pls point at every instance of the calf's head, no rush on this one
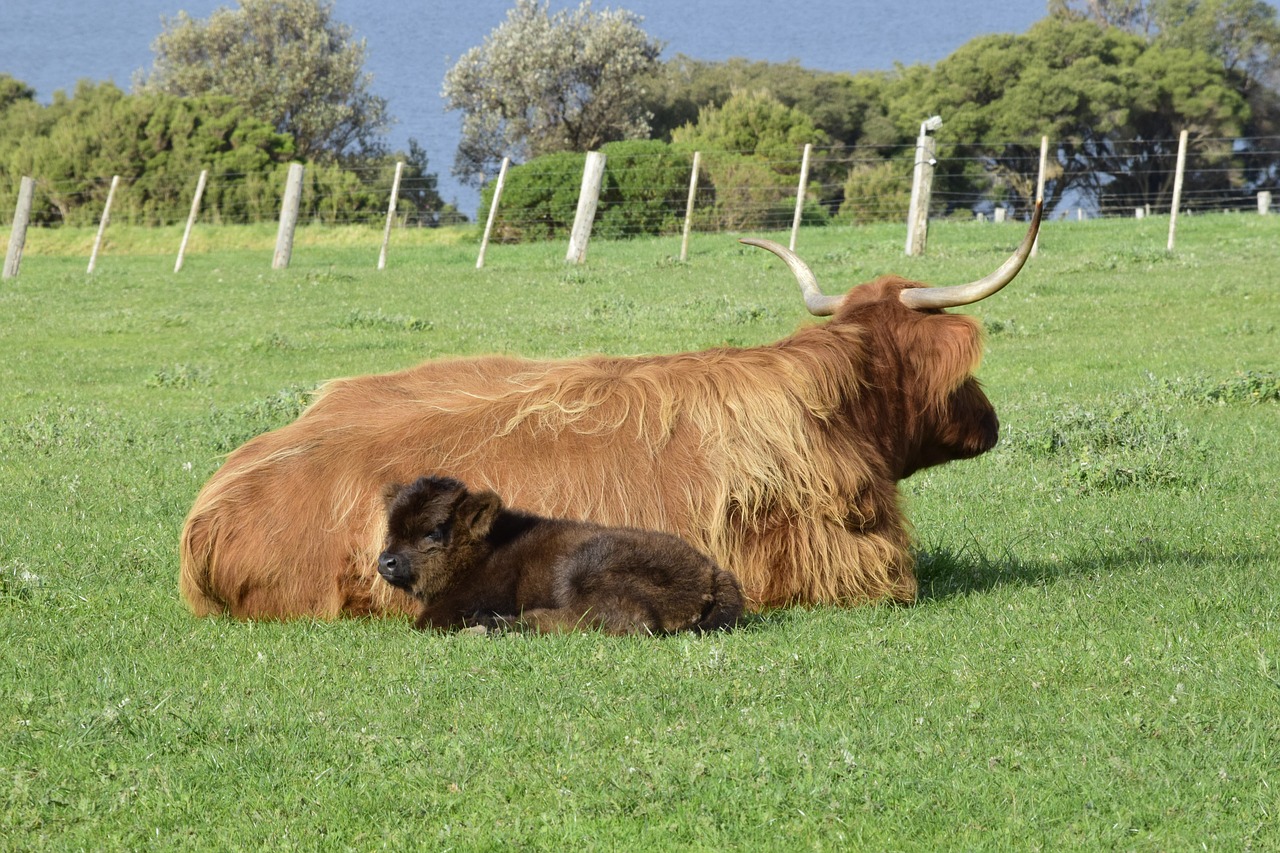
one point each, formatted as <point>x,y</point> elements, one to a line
<point>435,529</point>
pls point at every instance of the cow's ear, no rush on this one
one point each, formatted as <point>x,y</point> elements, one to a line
<point>944,351</point>
<point>390,492</point>
<point>479,511</point>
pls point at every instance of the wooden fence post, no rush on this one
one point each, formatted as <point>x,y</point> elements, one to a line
<point>391,215</point>
<point>288,217</point>
<point>1044,159</point>
<point>102,226</point>
<point>588,198</point>
<point>191,219</point>
<point>1264,202</point>
<point>18,234</point>
<point>800,193</point>
<point>1177,188</point>
<point>688,207</point>
<point>922,188</point>
<point>493,210</point>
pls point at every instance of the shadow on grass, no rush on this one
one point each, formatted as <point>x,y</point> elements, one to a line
<point>946,573</point>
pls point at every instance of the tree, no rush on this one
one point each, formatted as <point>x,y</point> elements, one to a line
<point>13,90</point>
<point>1111,103</point>
<point>754,124</point>
<point>1131,15</point>
<point>157,143</point>
<point>850,109</point>
<point>1243,35</point>
<point>419,189</point>
<point>1174,89</point>
<point>542,83</point>
<point>752,153</point>
<point>286,61</point>
<point>845,106</point>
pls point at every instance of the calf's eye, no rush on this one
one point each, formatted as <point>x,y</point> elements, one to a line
<point>436,534</point>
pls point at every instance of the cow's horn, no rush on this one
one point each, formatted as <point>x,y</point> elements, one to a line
<point>818,303</point>
<point>964,294</point>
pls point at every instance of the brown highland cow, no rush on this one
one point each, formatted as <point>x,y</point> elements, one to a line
<point>473,562</point>
<point>781,461</point>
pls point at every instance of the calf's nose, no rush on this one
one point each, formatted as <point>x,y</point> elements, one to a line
<point>387,564</point>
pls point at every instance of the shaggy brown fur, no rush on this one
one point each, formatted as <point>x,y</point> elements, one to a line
<point>781,461</point>
<point>471,561</point>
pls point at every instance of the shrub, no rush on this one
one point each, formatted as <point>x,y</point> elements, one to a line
<point>645,188</point>
<point>747,194</point>
<point>644,191</point>
<point>875,193</point>
<point>539,198</point>
<point>158,144</point>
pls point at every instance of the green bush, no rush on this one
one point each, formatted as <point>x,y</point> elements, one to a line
<point>158,145</point>
<point>746,195</point>
<point>539,198</point>
<point>755,124</point>
<point>877,192</point>
<point>644,192</point>
<point>646,186</point>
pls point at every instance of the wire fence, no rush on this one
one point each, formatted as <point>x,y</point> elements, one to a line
<point>331,196</point>
<point>1105,178</point>
<point>1096,179</point>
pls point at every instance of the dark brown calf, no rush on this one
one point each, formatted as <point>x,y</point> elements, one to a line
<point>473,562</point>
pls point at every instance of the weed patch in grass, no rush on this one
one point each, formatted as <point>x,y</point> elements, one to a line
<point>1247,387</point>
<point>746,315</point>
<point>57,428</point>
<point>181,376</point>
<point>272,342</point>
<point>995,327</point>
<point>1130,441</point>
<point>360,319</point>
<point>19,583</point>
<point>227,429</point>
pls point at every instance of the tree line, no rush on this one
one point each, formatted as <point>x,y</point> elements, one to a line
<point>1110,82</point>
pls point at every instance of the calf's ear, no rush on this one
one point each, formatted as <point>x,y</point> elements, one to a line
<point>390,492</point>
<point>478,512</point>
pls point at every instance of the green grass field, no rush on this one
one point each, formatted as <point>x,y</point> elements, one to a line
<point>1094,662</point>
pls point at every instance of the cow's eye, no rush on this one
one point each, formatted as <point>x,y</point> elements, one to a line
<point>436,534</point>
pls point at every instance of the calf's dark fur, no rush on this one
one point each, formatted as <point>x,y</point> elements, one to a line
<point>472,562</point>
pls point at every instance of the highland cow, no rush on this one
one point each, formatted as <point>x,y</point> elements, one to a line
<point>781,461</point>
<point>472,562</point>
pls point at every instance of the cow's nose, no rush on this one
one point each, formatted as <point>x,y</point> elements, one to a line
<point>387,564</point>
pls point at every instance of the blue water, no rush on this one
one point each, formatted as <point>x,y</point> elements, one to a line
<point>50,44</point>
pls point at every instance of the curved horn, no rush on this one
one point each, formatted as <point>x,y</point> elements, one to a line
<point>818,303</point>
<point>964,294</point>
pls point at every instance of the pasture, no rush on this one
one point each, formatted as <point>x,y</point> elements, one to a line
<point>1094,661</point>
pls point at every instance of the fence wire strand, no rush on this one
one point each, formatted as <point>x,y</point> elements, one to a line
<point>1107,178</point>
